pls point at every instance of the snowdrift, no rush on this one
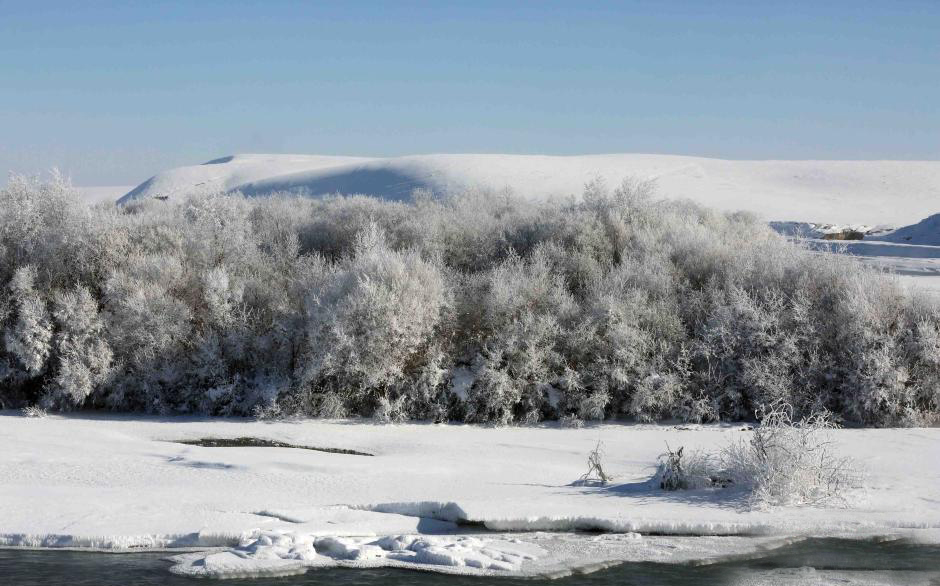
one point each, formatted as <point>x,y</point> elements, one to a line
<point>872,192</point>
<point>924,233</point>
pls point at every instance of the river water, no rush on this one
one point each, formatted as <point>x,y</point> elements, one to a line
<point>809,562</point>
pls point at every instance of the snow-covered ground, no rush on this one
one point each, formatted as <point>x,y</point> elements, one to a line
<point>102,193</point>
<point>435,496</point>
<point>471,499</point>
<point>925,232</point>
<point>228,173</point>
<point>917,266</point>
<point>868,192</point>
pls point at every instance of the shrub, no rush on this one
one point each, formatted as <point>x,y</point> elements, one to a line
<point>617,305</point>
<point>785,462</point>
<point>595,473</point>
<point>371,321</point>
<point>677,470</point>
<point>29,336</point>
<point>34,412</point>
<point>83,354</point>
<point>789,462</point>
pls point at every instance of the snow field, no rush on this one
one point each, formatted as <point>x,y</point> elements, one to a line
<point>121,483</point>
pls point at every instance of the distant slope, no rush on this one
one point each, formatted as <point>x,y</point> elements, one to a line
<point>925,232</point>
<point>872,192</point>
<point>101,193</point>
<point>228,173</point>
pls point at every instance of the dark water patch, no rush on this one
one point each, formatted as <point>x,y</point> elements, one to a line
<point>44,568</point>
<point>847,554</point>
<point>255,442</point>
<point>891,562</point>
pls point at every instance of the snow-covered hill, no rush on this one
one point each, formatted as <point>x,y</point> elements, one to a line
<point>228,173</point>
<point>871,192</point>
<point>101,193</point>
<point>925,232</point>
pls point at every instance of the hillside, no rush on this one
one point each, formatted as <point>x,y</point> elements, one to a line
<point>101,193</point>
<point>871,192</point>
<point>925,232</point>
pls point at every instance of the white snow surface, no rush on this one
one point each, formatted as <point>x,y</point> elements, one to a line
<point>925,232</point>
<point>232,172</point>
<point>917,266</point>
<point>121,483</point>
<point>860,192</point>
<point>94,194</point>
<point>289,551</point>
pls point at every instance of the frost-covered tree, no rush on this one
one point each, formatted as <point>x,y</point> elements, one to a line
<point>476,306</point>
<point>29,337</point>
<point>521,317</point>
<point>149,328</point>
<point>371,319</point>
<point>82,354</point>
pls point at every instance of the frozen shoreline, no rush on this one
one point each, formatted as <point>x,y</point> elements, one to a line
<point>113,482</point>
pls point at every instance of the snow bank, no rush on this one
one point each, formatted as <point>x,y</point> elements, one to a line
<point>870,192</point>
<point>645,526</point>
<point>547,555</point>
<point>449,511</point>
<point>149,542</point>
<point>453,512</point>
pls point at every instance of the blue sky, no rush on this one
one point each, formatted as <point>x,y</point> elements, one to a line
<point>112,92</point>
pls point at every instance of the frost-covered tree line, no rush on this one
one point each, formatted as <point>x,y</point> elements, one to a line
<point>479,307</point>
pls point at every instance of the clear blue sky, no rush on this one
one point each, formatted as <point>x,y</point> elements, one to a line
<point>113,92</point>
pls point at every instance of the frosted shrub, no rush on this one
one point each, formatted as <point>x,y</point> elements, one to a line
<point>624,343</point>
<point>784,462</point>
<point>219,231</point>
<point>391,410</point>
<point>84,358</point>
<point>924,344</point>
<point>571,421</point>
<point>41,222</point>
<point>368,323</point>
<point>618,305</point>
<point>678,470</point>
<point>148,327</point>
<point>520,320</point>
<point>220,297</point>
<point>494,394</point>
<point>29,336</point>
<point>789,462</point>
<point>595,473</point>
<point>34,412</point>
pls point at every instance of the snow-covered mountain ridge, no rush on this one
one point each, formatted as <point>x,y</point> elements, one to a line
<point>896,193</point>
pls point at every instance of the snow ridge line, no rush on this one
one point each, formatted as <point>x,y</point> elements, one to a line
<point>278,516</point>
<point>455,513</point>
